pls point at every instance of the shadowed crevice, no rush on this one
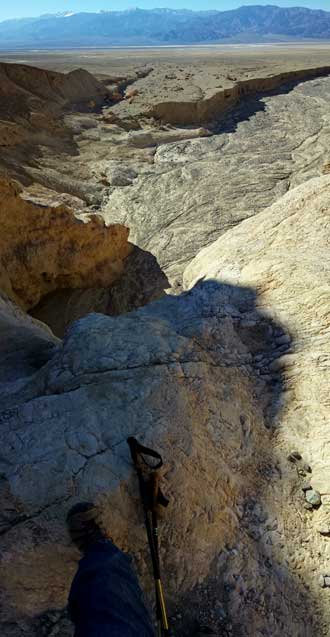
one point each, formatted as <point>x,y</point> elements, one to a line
<point>141,283</point>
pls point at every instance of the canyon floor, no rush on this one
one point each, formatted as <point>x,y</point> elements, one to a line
<point>176,202</point>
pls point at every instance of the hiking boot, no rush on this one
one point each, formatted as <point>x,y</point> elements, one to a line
<point>83,522</point>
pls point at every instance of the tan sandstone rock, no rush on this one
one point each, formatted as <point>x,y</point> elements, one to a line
<point>43,248</point>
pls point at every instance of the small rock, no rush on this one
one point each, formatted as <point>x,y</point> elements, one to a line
<point>306,486</point>
<point>294,456</point>
<point>283,361</point>
<point>248,323</point>
<point>306,467</point>
<point>204,630</point>
<point>326,501</point>
<point>327,581</point>
<point>308,506</point>
<point>323,528</point>
<point>313,497</point>
<point>321,581</point>
<point>221,613</point>
<point>282,340</point>
<point>282,348</point>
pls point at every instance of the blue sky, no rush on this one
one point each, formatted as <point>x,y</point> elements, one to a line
<point>22,8</point>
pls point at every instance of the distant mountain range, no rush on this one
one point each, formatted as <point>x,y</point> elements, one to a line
<point>165,26</point>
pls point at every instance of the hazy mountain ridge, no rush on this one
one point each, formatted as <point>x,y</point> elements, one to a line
<point>137,26</point>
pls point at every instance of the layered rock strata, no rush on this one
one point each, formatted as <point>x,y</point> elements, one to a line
<point>186,98</point>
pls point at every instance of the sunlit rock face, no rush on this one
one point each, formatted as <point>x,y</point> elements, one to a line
<point>198,189</point>
<point>44,248</point>
<point>285,259</point>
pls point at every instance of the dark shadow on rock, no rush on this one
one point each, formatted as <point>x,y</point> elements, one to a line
<point>141,283</point>
<point>249,105</point>
<point>52,623</point>
<point>206,314</point>
<point>207,607</point>
<point>25,346</point>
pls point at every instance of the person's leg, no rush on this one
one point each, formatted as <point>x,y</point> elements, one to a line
<point>105,597</point>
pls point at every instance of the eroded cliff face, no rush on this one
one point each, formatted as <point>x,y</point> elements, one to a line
<point>60,267</point>
<point>46,248</point>
<point>208,109</point>
<point>35,85</point>
<point>197,190</point>
<point>32,104</point>
<point>194,95</point>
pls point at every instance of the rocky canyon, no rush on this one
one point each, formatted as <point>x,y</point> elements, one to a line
<point>164,253</point>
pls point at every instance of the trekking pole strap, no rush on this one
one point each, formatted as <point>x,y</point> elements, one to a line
<point>151,493</point>
<point>139,450</point>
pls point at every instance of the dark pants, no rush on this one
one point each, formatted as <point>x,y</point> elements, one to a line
<point>105,598</point>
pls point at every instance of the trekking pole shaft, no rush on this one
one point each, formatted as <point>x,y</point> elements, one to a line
<point>150,500</point>
<point>158,582</point>
<point>152,533</point>
<point>160,597</point>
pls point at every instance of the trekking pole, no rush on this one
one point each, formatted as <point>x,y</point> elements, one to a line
<point>152,497</point>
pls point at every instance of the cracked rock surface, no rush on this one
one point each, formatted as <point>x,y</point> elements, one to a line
<point>197,190</point>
